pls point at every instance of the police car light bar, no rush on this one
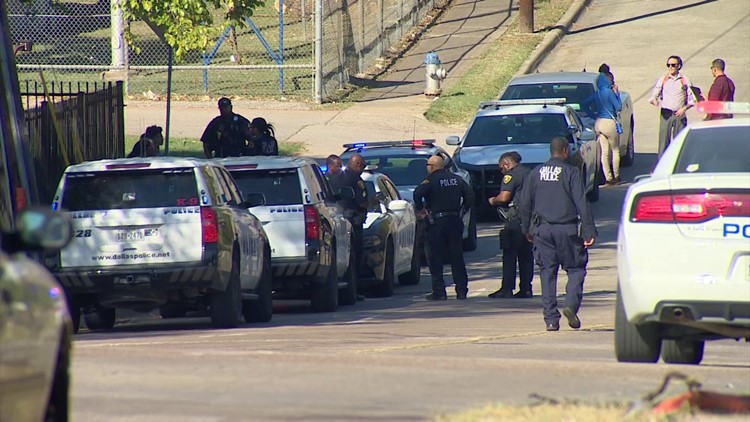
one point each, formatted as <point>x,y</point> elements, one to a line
<point>535,101</point>
<point>413,143</point>
<point>127,166</point>
<point>241,166</point>
<point>723,107</point>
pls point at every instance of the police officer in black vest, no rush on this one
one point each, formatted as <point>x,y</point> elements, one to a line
<point>443,198</point>
<point>556,218</point>
<point>514,244</point>
<point>227,135</point>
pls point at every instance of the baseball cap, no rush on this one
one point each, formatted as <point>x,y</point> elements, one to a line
<point>224,101</point>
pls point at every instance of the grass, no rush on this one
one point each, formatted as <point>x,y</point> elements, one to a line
<point>191,147</point>
<point>496,67</point>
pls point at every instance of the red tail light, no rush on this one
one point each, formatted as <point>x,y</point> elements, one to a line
<point>690,208</point>
<point>312,223</point>
<point>209,227</point>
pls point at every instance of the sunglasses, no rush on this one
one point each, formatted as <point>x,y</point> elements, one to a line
<point>673,64</point>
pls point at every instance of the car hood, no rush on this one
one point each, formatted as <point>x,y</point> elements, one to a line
<point>489,154</point>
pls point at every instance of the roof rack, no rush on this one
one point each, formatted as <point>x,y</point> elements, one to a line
<point>414,143</point>
<point>536,101</point>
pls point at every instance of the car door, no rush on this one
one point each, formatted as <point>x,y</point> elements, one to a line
<point>341,226</point>
<point>389,194</point>
<point>588,149</point>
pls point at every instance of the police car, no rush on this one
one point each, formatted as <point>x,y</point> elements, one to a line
<point>575,87</point>
<point>527,127</point>
<point>405,164</point>
<point>311,251</point>
<point>389,237</point>
<point>683,256</point>
<point>161,232</point>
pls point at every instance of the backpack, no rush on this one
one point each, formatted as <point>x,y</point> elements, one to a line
<point>697,93</point>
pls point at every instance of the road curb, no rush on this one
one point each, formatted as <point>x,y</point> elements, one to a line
<point>553,37</point>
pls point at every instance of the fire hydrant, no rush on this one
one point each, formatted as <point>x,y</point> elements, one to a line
<point>434,74</point>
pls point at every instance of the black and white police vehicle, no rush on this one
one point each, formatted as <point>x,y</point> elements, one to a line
<point>161,232</point>
<point>311,252</point>
<point>527,127</point>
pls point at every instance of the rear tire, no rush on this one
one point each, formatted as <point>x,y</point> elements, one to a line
<point>101,319</point>
<point>348,295</point>
<point>415,272</point>
<point>226,306</point>
<point>387,285</point>
<point>325,296</point>
<point>261,310</point>
<point>635,343</point>
<point>629,157</point>
<point>470,243</point>
<point>685,351</point>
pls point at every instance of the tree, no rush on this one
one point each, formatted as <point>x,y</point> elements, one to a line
<point>187,25</point>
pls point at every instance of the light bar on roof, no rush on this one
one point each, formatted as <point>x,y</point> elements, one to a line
<point>723,107</point>
<point>535,101</point>
<point>241,166</point>
<point>412,142</point>
<point>128,166</point>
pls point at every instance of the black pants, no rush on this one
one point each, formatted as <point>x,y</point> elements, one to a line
<point>445,239</point>
<point>357,246</point>
<point>558,245</point>
<point>516,250</point>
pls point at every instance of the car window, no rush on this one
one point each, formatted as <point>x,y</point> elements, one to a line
<point>211,183</point>
<point>370,187</point>
<point>323,181</point>
<point>715,150</point>
<point>280,186</point>
<point>516,129</point>
<point>403,170</point>
<point>235,197</point>
<point>392,191</point>
<point>574,93</point>
<point>130,189</point>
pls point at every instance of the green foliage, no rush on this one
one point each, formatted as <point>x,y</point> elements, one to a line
<point>186,25</point>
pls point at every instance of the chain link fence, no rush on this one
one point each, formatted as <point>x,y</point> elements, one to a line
<point>273,56</point>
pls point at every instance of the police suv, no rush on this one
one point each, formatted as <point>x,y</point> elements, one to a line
<point>527,127</point>
<point>310,239</point>
<point>683,258</point>
<point>161,232</point>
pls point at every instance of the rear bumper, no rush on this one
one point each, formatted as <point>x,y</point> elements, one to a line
<point>309,266</point>
<point>99,280</point>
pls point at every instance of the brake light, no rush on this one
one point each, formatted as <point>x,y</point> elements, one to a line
<point>722,107</point>
<point>690,208</point>
<point>127,166</point>
<point>417,143</point>
<point>209,227</point>
<point>312,223</point>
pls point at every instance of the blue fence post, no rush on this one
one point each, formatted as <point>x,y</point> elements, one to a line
<point>281,45</point>
<point>277,58</point>
<point>208,57</point>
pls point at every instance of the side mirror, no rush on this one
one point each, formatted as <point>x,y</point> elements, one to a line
<point>452,140</point>
<point>345,192</point>
<point>41,229</point>
<point>573,129</point>
<point>254,199</point>
<point>399,205</point>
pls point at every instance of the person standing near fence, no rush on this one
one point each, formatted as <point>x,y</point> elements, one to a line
<point>263,137</point>
<point>227,135</point>
<point>149,143</point>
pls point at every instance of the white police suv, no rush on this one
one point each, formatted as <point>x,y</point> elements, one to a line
<point>684,245</point>
<point>161,232</point>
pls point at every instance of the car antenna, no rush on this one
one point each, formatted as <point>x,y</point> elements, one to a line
<point>584,66</point>
<point>414,132</point>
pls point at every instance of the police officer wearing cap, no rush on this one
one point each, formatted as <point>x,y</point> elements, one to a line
<point>227,135</point>
<point>443,198</point>
<point>355,209</point>
<point>553,207</point>
<point>516,248</point>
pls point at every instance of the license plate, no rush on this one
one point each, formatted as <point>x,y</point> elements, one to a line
<point>128,235</point>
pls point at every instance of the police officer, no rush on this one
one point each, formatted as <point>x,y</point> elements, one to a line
<point>552,207</point>
<point>514,244</point>
<point>227,135</point>
<point>355,210</point>
<point>444,198</point>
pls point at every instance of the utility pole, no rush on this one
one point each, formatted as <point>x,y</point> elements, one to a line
<point>526,16</point>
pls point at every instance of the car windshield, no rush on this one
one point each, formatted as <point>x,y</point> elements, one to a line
<point>280,186</point>
<point>715,150</point>
<point>516,129</point>
<point>405,170</point>
<point>130,189</point>
<point>574,93</point>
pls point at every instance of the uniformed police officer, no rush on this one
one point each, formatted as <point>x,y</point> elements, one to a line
<point>355,210</point>
<point>227,135</point>
<point>444,198</point>
<point>516,248</point>
<point>552,207</point>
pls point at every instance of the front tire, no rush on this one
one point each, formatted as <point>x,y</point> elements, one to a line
<point>414,275</point>
<point>261,310</point>
<point>325,296</point>
<point>685,351</point>
<point>101,319</point>
<point>226,306</point>
<point>635,343</point>
<point>387,285</point>
<point>470,243</point>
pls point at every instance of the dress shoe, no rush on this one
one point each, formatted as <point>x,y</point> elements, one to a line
<point>461,296</point>
<point>500,294</point>
<point>433,296</point>
<point>573,320</point>
<point>553,326</point>
<point>523,295</point>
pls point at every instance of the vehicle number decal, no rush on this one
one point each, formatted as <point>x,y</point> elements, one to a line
<point>83,233</point>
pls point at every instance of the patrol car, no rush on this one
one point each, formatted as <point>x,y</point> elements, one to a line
<point>527,127</point>
<point>311,251</point>
<point>405,164</point>
<point>389,237</point>
<point>683,258</point>
<point>575,87</point>
<point>161,232</point>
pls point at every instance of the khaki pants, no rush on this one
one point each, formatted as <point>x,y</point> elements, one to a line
<point>609,142</point>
